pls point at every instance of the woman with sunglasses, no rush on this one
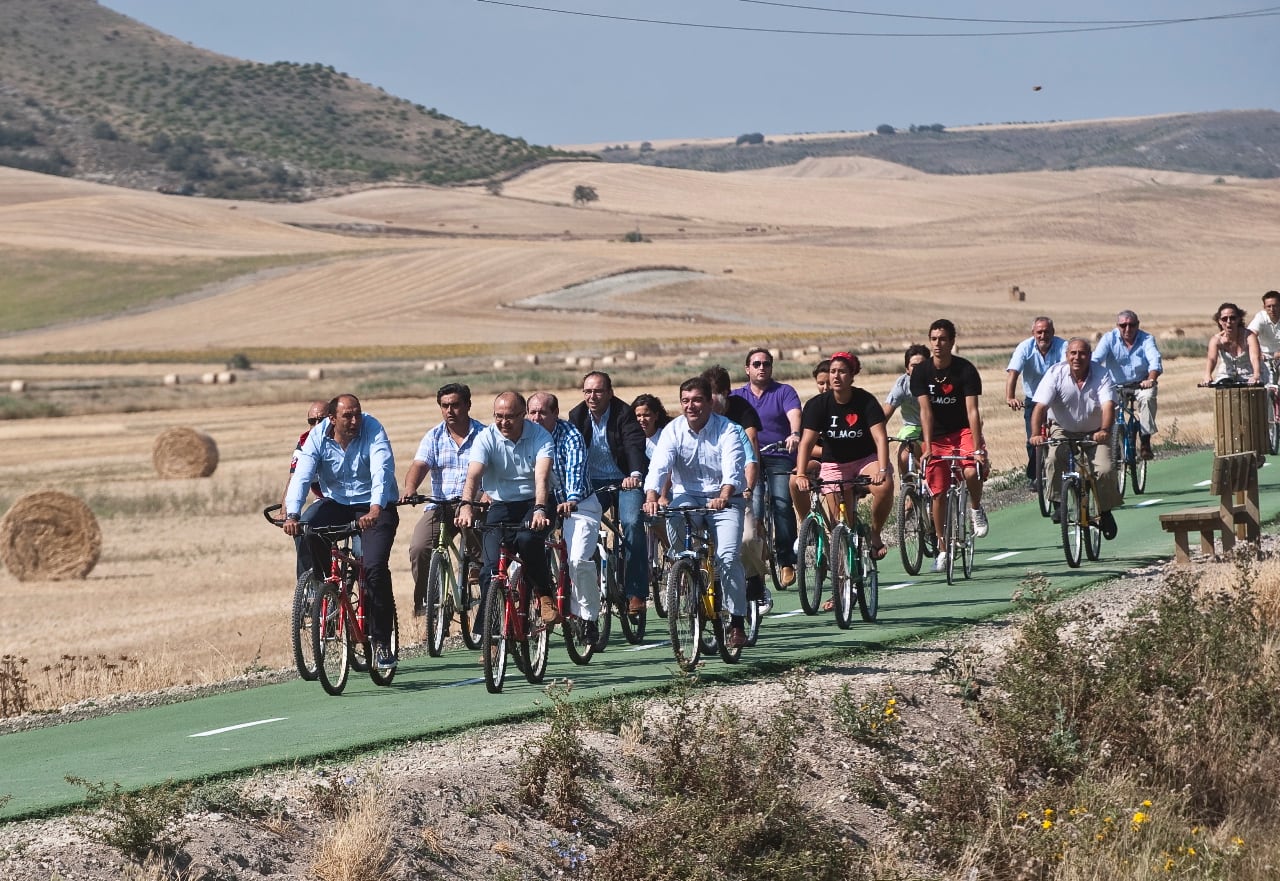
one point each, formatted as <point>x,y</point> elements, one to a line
<point>1234,352</point>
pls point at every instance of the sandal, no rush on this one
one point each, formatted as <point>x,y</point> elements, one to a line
<point>879,551</point>
<point>829,606</point>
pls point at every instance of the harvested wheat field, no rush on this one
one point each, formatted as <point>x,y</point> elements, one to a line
<point>195,585</point>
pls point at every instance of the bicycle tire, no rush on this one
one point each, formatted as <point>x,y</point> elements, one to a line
<point>605,622</point>
<point>841,576</point>
<point>1139,476</point>
<point>1119,457</point>
<point>471,611</point>
<point>968,541</point>
<point>494,637</point>
<point>811,565</point>
<point>536,644</point>
<point>751,622</point>
<point>911,520</point>
<point>331,640</point>
<point>684,623</point>
<point>1043,489</point>
<point>579,650</point>
<point>304,655</point>
<point>949,526</point>
<point>720,620</point>
<point>1072,533</point>
<point>437,625</point>
<point>384,677</point>
<point>1273,423</point>
<point>766,533</point>
<point>359,654</point>
<point>656,571</point>
<point>869,578</point>
<point>1093,535</point>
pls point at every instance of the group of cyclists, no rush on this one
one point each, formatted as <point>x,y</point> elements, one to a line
<point>720,452</point>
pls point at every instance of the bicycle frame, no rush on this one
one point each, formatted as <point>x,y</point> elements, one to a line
<point>1080,530</point>
<point>956,531</point>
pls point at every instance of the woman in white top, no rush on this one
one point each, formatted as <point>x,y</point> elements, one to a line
<point>1233,351</point>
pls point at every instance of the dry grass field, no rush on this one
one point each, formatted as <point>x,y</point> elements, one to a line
<point>196,584</point>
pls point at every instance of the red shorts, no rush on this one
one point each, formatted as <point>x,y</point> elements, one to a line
<point>937,472</point>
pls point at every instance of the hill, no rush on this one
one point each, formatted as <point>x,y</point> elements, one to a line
<point>90,93</point>
<point>1237,142</point>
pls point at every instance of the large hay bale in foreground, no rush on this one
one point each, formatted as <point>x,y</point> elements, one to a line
<point>49,536</point>
<point>184,452</point>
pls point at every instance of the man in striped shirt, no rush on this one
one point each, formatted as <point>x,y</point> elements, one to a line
<point>579,508</point>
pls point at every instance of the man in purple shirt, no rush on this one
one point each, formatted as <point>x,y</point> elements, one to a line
<point>778,406</point>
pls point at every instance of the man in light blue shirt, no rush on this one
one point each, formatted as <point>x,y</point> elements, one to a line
<point>702,453</point>
<point>1131,356</point>
<point>349,455</point>
<point>511,462</point>
<point>1031,359</point>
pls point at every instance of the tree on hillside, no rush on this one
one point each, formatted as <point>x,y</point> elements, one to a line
<point>885,129</point>
<point>749,138</point>
<point>582,194</point>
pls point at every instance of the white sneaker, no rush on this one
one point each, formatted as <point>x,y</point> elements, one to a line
<point>766,602</point>
<point>979,518</point>
<point>940,562</point>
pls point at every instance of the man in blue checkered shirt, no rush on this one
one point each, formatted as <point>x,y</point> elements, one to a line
<point>442,456</point>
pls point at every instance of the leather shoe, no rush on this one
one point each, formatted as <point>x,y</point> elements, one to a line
<point>788,575</point>
<point>636,605</point>
<point>547,609</point>
<point>1109,528</point>
<point>1054,514</point>
<point>737,637</point>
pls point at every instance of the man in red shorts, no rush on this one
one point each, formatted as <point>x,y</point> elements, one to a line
<point>948,389</point>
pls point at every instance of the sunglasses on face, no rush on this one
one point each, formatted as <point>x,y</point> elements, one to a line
<point>1228,317</point>
<point>759,364</point>
<point>1126,324</point>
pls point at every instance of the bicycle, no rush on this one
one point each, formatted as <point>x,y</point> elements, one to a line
<point>957,527</point>
<point>1078,507</point>
<point>656,542</point>
<point>339,639</point>
<point>1043,492</point>
<point>767,527</point>
<point>695,597</point>
<point>579,648</point>
<point>916,538</point>
<point>1129,463</point>
<point>304,592</point>
<point>850,560</point>
<point>450,587</point>
<point>611,554</point>
<point>511,624</point>
<point>1273,407</point>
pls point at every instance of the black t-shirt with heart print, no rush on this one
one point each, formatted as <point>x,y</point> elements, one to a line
<point>947,387</point>
<point>844,429</point>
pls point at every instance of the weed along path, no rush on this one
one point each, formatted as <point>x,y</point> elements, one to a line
<point>297,722</point>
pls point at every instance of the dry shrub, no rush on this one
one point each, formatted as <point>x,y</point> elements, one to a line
<point>359,846</point>
<point>48,536</point>
<point>184,452</point>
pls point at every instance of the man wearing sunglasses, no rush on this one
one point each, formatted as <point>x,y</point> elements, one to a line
<point>1131,356</point>
<point>778,406</point>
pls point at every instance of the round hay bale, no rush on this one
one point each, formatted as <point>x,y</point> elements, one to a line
<point>585,362</point>
<point>629,355</point>
<point>17,386</point>
<point>315,374</point>
<point>608,360</point>
<point>225,377</point>
<point>499,364</point>
<point>531,359</point>
<point>49,536</point>
<point>208,378</point>
<point>171,379</point>
<point>184,452</point>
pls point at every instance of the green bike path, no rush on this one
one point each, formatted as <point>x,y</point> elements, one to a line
<point>297,722</point>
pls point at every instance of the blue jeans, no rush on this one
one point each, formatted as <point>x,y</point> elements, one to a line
<point>634,539</point>
<point>777,470</point>
<point>727,525</point>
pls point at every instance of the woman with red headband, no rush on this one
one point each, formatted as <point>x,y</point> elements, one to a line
<point>850,423</point>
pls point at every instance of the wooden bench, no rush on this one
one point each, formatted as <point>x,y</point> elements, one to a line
<point>1235,483</point>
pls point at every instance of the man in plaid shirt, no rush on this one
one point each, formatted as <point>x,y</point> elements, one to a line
<point>442,455</point>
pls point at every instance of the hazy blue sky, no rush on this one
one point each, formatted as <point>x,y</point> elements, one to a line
<point>557,78</point>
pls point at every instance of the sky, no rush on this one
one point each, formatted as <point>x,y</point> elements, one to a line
<point>719,68</point>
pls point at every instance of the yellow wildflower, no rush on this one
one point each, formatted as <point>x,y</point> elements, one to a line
<point>1191,851</point>
<point>1046,824</point>
<point>1139,818</point>
<point>1147,803</point>
<point>1022,815</point>
<point>1048,812</point>
<point>1238,841</point>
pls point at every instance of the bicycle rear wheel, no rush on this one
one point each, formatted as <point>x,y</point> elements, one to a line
<point>1273,421</point>
<point>1072,528</point>
<point>684,622</point>
<point>751,622</point>
<point>1121,454</point>
<point>657,585</point>
<point>438,587</point>
<point>304,596</point>
<point>330,640</point>
<point>1093,535</point>
<point>359,655</point>
<point>911,526</point>
<point>842,576</point>
<point>951,529</point>
<point>580,651</point>
<point>868,577</point>
<point>494,636</point>
<point>811,565</point>
<point>1139,475</point>
<point>720,621</point>
<point>964,527</point>
<point>1042,480</point>
<point>535,646</point>
<point>766,534</point>
<point>384,677</point>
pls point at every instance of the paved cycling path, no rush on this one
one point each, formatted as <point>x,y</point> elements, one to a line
<point>297,721</point>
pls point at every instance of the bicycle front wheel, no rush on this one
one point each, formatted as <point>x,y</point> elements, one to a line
<point>1072,528</point>
<point>842,575</point>
<point>1043,496</point>
<point>494,636</point>
<point>657,584</point>
<point>868,577</point>
<point>535,648</point>
<point>766,530</point>
<point>951,533</point>
<point>684,621</point>
<point>911,529</point>
<point>330,639</point>
<point>1093,535</point>
<point>438,587</point>
<point>304,597</point>
<point>384,677</point>
<point>964,528</point>
<point>1273,422</point>
<point>1139,475</point>
<point>1121,454</point>
<point>811,565</point>
<point>720,621</point>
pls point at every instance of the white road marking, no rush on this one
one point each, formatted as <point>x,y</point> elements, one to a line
<point>1148,503</point>
<point>899,586</point>
<point>237,727</point>
<point>1203,483</point>
<point>1006,555</point>
<point>647,646</point>
<point>787,614</point>
<point>475,681</point>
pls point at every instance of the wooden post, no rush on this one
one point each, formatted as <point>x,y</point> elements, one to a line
<point>1240,421</point>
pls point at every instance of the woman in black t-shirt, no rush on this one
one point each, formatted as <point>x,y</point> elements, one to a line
<point>850,424</point>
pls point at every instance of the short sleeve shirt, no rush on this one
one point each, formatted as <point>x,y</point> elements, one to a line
<point>947,388</point>
<point>1073,407</point>
<point>772,408</point>
<point>900,396</point>
<point>509,466</point>
<point>1028,361</point>
<point>844,429</point>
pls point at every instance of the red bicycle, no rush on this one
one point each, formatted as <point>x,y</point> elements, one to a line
<point>512,623</point>
<point>573,627</point>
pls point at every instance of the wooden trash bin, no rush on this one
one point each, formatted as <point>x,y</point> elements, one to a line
<point>1240,421</point>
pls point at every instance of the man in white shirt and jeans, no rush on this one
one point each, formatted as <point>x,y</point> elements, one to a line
<point>1266,324</point>
<point>702,453</point>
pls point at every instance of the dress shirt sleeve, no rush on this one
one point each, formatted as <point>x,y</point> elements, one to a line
<point>732,459</point>
<point>305,459</point>
<point>660,461</point>
<point>574,449</point>
<point>1152,353</point>
<point>382,469</point>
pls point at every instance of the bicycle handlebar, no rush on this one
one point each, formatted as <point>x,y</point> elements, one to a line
<point>1229,382</point>
<point>775,447</point>
<point>307,530</point>
<point>856,480</point>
